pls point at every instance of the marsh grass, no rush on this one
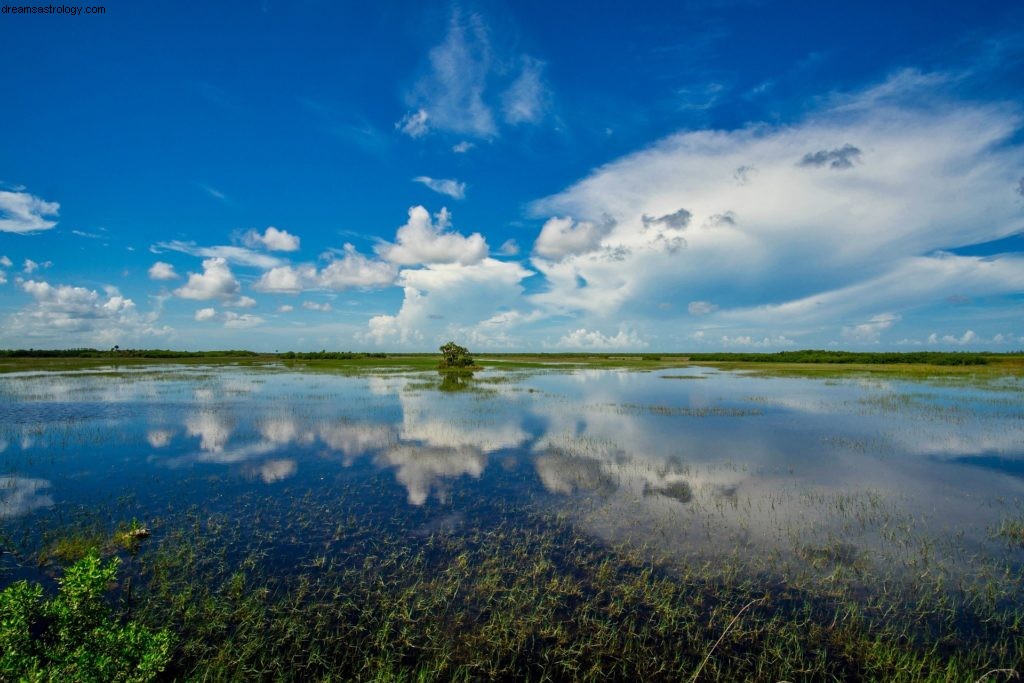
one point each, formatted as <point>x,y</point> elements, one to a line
<point>528,597</point>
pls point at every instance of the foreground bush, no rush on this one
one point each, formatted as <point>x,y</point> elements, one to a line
<point>73,636</point>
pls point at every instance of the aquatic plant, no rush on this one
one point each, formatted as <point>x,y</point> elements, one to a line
<point>74,635</point>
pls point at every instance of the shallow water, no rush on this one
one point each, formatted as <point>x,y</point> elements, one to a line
<point>687,464</point>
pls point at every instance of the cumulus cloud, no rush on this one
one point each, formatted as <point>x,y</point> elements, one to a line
<point>314,306</point>
<point>238,255</point>
<point>285,309</point>
<point>241,302</point>
<point>24,213</point>
<point>204,314</point>
<point>78,315</point>
<point>6,262</point>
<point>445,300</point>
<point>587,339</point>
<point>162,271</point>
<point>561,237</point>
<point>30,266</point>
<point>843,157</point>
<point>464,146</point>
<point>351,271</point>
<point>785,249</point>
<point>215,282</point>
<point>271,239</point>
<point>968,337</point>
<point>423,240</point>
<point>447,186</point>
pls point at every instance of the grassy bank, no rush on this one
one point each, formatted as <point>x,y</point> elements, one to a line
<point>807,363</point>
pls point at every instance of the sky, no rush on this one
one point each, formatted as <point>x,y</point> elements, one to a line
<point>520,176</point>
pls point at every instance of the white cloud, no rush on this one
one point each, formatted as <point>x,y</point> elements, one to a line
<point>561,237</point>
<point>162,271</point>
<point>206,314</point>
<point>70,315</point>
<point>449,96</point>
<point>240,302</point>
<point>314,306</point>
<point>422,240</point>
<point>464,146</point>
<point>745,220</point>
<point>414,123</point>
<point>23,213</point>
<point>870,331</point>
<point>237,255</point>
<point>272,239</point>
<point>241,321</point>
<point>447,186</point>
<point>447,300</point>
<point>526,99</point>
<point>509,248</point>
<point>215,282</point>
<point>285,309</point>
<point>967,338</point>
<point>587,339</point>
<point>351,271</point>
<point>466,79</point>
<point>31,266</point>
<point>701,308</point>
<point>6,262</point>
<point>288,279</point>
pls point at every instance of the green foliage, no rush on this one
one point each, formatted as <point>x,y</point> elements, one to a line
<point>73,635</point>
<point>455,356</point>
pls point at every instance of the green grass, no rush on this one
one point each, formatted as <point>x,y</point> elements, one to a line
<point>796,363</point>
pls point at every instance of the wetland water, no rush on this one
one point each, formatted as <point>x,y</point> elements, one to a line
<point>707,492</point>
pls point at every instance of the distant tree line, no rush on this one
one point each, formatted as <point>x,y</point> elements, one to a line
<point>822,356</point>
<point>118,352</point>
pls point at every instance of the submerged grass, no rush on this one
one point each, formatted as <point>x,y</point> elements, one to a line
<point>336,586</point>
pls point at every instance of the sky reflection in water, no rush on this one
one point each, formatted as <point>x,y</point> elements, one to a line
<point>691,462</point>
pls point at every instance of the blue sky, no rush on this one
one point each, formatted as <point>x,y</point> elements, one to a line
<point>520,176</point>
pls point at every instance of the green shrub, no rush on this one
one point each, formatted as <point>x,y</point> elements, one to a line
<point>455,356</point>
<point>73,636</point>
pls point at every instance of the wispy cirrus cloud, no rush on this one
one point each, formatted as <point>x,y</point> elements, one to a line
<point>467,87</point>
<point>446,186</point>
<point>237,255</point>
